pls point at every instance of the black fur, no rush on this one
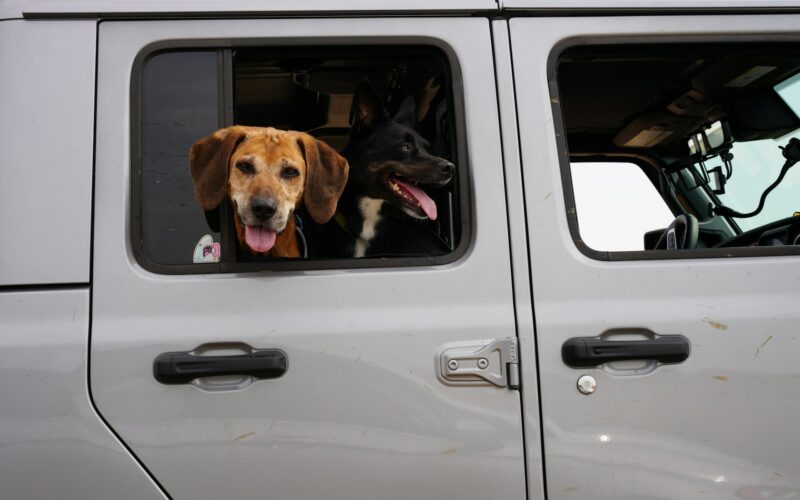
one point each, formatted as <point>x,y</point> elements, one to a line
<point>381,148</point>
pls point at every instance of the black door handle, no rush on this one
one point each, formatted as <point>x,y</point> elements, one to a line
<point>183,367</point>
<point>584,352</point>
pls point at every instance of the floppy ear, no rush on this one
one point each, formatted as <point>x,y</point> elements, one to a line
<point>326,176</point>
<point>368,110</point>
<point>407,114</point>
<point>208,162</point>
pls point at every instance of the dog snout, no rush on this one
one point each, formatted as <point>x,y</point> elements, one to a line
<point>446,167</point>
<point>263,208</point>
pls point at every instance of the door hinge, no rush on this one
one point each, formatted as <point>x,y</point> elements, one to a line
<point>478,362</point>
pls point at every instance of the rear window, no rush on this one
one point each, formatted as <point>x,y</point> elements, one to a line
<point>380,123</point>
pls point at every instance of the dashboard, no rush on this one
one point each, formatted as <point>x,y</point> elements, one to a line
<point>779,233</point>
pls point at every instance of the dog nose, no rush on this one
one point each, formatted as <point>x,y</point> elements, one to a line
<point>263,208</point>
<point>446,167</point>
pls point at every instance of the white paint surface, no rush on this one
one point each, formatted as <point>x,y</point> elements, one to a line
<point>46,134</point>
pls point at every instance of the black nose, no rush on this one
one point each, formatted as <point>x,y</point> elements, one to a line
<point>446,167</point>
<point>263,208</point>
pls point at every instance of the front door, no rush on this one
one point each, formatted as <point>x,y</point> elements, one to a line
<point>722,423</point>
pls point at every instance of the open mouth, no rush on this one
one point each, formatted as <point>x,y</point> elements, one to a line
<point>259,238</point>
<point>417,201</point>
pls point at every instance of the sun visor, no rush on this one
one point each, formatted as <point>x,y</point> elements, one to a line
<point>762,115</point>
<point>653,129</point>
<point>743,76</point>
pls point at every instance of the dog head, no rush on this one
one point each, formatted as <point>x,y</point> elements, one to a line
<point>266,173</point>
<point>389,159</point>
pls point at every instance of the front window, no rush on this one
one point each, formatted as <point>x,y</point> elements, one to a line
<point>606,222</point>
<point>711,119</point>
<point>756,165</point>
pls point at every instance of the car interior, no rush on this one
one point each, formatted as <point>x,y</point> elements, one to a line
<point>187,94</point>
<point>700,119</point>
<point>311,89</point>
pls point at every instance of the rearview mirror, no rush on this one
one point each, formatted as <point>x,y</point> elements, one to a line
<point>711,140</point>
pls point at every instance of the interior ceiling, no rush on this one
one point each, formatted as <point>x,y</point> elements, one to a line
<point>305,88</point>
<point>602,95</point>
<point>609,94</point>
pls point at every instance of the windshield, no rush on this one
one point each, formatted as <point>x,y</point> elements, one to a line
<point>756,165</point>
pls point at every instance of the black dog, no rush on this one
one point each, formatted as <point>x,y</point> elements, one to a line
<point>385,198</point>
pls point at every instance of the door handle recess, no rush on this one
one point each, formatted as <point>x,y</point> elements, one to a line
<point>183,367</point>
<point>583,352</point>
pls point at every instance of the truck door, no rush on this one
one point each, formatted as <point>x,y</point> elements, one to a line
<point>718,417</point>
<point>358,402</point>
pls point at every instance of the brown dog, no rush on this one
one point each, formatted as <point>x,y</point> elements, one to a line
<point>267,173</point>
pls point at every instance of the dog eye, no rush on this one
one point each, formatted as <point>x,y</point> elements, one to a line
<point>245,167</point>
<point>289,172</point>
<point>405,148</point>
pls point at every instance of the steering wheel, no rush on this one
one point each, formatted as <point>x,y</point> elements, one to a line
<point>681,234</point>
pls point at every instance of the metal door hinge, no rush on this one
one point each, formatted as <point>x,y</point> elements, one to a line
<point>477,362</point>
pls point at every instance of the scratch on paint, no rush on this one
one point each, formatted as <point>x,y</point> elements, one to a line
<point>762,345</point>
<point>721,378</point>
<point>448,451</point>
<point>548,195</point>
<point>571,488</point>
<point>243,436</point>
<point>716,324</point>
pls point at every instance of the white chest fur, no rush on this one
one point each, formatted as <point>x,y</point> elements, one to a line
<point>370,211</point>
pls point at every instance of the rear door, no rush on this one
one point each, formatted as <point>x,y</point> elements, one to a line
<point>361,411</point>
<point>722,424</point>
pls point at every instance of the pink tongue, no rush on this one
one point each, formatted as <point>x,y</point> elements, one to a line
<point>258,238</point>
<point>425,201</point>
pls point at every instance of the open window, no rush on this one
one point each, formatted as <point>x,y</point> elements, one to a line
<point>181,96</point>
<point>606,222</point>
<point>715,121</point>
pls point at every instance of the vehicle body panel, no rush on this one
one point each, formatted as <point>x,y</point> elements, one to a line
<point>720,424</point>
<point>520,268</point>
<point>52,442</point>
<point>110,9</point>
<point>655,6</point>
<point>360,411</point>
<point>46,131</point>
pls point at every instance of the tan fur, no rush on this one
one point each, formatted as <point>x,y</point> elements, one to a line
<point>321,180</point>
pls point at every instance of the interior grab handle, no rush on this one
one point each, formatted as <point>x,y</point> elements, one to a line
<point>584,352</point>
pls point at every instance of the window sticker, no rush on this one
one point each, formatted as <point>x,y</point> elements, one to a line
<point>206,250</point>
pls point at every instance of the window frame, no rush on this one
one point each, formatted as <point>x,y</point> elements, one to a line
<point>463,206</point>
<point>564,158</point>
